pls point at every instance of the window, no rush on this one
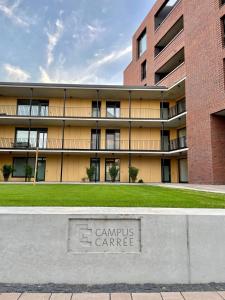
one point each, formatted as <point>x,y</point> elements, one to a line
<point>164,110</point>
<point>142,43</point>
<point>95,162</point>
<point>108,164</point>
<point>37,107</point>
<point>95,139</point>
<point>20,163</point>
<point>112,139</point>
<point>96,109</point>
<point>33,138</point>
<point>19,166</point>
<point>113,109</point>
<point>164,11</point>
<point>223,29</point>
<point>144,70</point>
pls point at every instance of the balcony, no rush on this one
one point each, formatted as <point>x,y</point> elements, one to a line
<point>167,9</point>
<point>177,144</point>
<point>170,36</point>
<point>174,76</point>
<point>88,145</point>
<point>169,66</point>
<point>8,111</point>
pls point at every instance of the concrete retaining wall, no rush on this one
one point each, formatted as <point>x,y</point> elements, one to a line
<point>111,245</point>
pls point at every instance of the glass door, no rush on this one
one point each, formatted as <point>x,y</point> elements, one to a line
<point>112,139</point>
<point>164,110</point>
<point>95,139</point>
<point>41,169</point>
<point>165,140</point>
<point>42,139</point>
<point>113,109</point>
<point>96,163</point>
<point>108,164</point>
<point>183,170</point>
<point>166,170</point>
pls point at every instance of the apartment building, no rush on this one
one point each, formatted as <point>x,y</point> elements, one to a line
<point>68,128</point>
<point>182,41</point>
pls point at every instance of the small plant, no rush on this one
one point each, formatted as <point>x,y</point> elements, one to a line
<point>140,181</point>
<point>28,172</point>
<point>133,173</point>
<point>6,172</point>
<point>90,173</point>
<point>113,172</point>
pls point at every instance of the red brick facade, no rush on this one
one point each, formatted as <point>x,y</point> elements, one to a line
<point>204,73</point>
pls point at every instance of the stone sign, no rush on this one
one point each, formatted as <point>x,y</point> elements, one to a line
<point>104,235</point>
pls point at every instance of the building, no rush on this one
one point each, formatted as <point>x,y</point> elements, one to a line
<point>182,41</point>
<point>67,128</point>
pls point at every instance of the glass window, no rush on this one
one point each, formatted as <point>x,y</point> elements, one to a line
<point>96,163</point>
<point>96,109</point>
<point>142,43</point>
<point>113,109</point>
<point>112,139</point>
<point>19,166</point>
<point>108,164</point>
<point>34,138</point>
<point>95,138</point>
<point>38,107</point>
<point>143,70</point>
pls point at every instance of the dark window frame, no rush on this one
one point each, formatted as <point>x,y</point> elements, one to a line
<point>96,105</point>
<point>143,35</point>
<point>35,102</point>
<point>98,159</point>
<point>114,141</point>
<point>115,105</point>
<point>108,160</point>
<point>38,130</point>
<point>26,163</point>
<point>144,70</point>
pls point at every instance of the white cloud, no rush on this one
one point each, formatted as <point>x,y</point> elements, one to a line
<point>87,75</point>
<point>95,30</point>
<point>53,40</point>
<point>11,12</point>
<point>15,73</point>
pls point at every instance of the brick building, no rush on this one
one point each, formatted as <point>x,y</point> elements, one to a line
<point>182,42</point>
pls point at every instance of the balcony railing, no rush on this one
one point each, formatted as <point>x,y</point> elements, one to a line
<point>180,143</point>
<point>177,109</point>
<point>88,145</point>
<point>83,112</point>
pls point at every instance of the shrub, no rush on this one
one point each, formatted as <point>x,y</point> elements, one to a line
<point>133,173</point>
<point>113,172</point>
<point>140,181</point>
<point>28,172</point>
<point>7,171</point>
<point>90,173</point>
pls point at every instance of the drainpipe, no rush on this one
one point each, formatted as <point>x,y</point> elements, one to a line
<point>63,134</point>
<point>129,133</point>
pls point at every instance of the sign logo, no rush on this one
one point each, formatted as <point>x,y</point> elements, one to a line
<point>104,235</point>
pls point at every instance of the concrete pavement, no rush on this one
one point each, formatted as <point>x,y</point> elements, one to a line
<point>116,296</point>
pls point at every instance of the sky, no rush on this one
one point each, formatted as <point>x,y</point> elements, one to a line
<point>68,41</point>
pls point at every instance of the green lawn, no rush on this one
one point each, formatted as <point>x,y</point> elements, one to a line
<point>106,195</point>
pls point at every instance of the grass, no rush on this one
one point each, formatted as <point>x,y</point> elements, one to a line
<point>107,195</point>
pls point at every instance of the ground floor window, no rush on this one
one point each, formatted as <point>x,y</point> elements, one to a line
<point>166,170</point>
<point>96,163</point>
<point>20,167</point>
<point>183,170</point>
<point>109,162</point>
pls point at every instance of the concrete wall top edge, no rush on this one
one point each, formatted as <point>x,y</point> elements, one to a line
<point>119,211</point>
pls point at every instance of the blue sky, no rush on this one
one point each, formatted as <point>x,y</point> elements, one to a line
<point>68,41</point>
